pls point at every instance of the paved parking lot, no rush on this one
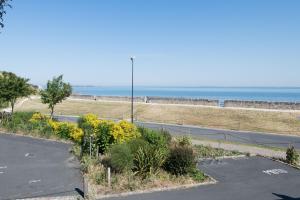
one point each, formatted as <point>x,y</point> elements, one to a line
<point>254,178</point>
<point>33,168</point>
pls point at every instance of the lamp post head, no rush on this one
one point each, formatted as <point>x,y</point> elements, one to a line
<point>132,58</point>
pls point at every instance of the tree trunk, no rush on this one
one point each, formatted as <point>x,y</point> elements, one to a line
<point>52,112</point>
<point>12,104</point>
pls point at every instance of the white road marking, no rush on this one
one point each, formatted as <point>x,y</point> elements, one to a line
<point>1,172</point>
<point>275,171</point>
<point>3,167</point>
<point>34,181</point>
<point>29,155</point>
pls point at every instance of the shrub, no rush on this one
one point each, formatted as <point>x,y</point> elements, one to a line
<point>184,141</point>
<point>197,175</point>
<point>292,156</point>
<point>121,158</point>
<point>166,135</point>
<point>88,121</point>
<point>66,130</point>
<point>38,117</point>
<point>153,137</point>
<point>103,138</point>
<point>21,117</point>
<point>148,160</point>
<point>18,121</point>
<point>130,130</point>
<point>3,104</point>
<point>106,132</point>
<point>180,161</point>
<point>135,144</point>
<point>118,133</point>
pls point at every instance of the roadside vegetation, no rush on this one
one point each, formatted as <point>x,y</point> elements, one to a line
<point>13,87</point>
<point>55,92</point>
<point>232,119</point>
<point>139,158</point>
<point>292,156</point>
<point>210,152</point>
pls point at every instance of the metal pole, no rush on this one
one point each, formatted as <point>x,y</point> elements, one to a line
<point>132,61</point>
<point>90,146</point>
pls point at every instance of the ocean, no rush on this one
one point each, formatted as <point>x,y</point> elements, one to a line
<point>275,94</point>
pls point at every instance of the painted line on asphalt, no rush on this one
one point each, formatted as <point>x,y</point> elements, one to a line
<point>34,181</point>
<point>29,155</point>
<point>275,171</point>
<point>3,167</point>
<point>1,172</point>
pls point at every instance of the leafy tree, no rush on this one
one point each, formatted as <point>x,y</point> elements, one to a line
<point>13,87</point>
<point>3,4</point>
<point>55,93</point>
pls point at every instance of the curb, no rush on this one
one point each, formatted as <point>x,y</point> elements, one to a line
<point>211,181</point>
<point>225,157</point>
<point>276,160</point>
<point>53,198</point>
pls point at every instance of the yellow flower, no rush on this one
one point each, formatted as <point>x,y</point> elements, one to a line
<point>118,133</point>
<point>92,120</point>
<point>54,125</point>
<point>37,117</point>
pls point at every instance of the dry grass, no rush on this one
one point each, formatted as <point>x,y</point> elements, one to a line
<point>128,182</point>
<point>233,119</point>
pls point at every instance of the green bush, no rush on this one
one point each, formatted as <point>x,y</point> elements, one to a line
<point>184,141</point>
<point>180,161</point>
<point>18,122</point>
<point>210,152</point>
<point>121,158</point>
<point>103,138</point>
<point>135,144</point>
<point>153,137</point>
<point>166,134</point>
<point>3,104</point>
<point>148,160</point>
<point>197,175</point>
<point>292,156</point>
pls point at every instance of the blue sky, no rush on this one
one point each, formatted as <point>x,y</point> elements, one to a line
<point>176,42</point>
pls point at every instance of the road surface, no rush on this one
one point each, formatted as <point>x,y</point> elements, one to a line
<point>32,168</point>
<point>253,138</point>
<point>253,178</point>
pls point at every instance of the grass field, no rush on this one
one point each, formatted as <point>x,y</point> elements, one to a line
<point>233,119</point>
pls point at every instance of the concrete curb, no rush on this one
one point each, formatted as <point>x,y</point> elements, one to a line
<point>76,197</point>
<point>211,181</point>
<point>276,160</point>
<point>225,157</point>
<point>38,138</point>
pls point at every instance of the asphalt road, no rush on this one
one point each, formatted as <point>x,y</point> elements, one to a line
<point>252,178</point>
<point>34,168</point>
<point>263,139</point>
<point>256,138</point>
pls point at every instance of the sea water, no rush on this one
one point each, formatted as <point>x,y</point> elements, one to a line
<point>284,94</point>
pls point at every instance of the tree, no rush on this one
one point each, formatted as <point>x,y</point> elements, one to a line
<point>3,4</point>
<point>13,87</point>
<point>55,93</point>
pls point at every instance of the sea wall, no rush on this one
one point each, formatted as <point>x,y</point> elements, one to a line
<point>107,98</point>
<point>262,105</point>
<point>187,101</point>
<point>158,100</point>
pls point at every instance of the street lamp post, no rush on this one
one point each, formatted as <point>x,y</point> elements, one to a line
<point>132,62</point>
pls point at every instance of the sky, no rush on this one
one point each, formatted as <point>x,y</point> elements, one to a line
<point>175,42</point>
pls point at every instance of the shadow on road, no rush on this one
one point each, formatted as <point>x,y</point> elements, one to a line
<point>284,197</point>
